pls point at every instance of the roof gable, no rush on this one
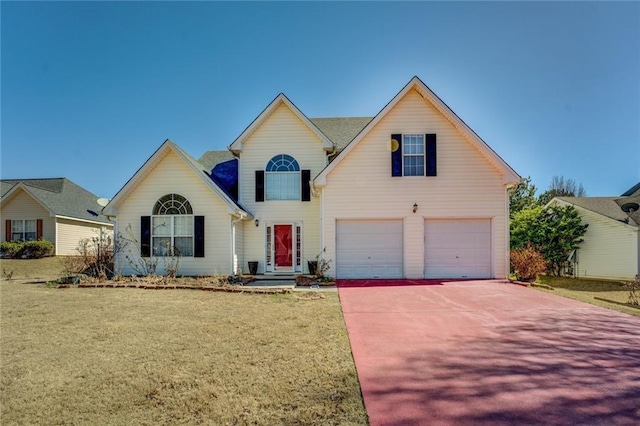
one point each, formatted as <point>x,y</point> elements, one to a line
<point>233,207</point>
<point>510,176</point>
<point>281,99</point>
<point>604,206</point>
<point>60,196</point>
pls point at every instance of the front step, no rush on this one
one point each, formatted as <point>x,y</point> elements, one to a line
<point>274,280</point>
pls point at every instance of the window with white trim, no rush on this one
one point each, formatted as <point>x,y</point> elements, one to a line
<point>413,155</point>
<point>172,227</point>
<point>23,230</point>
<point>282,178</point>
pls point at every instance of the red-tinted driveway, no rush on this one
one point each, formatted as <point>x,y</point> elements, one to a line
<point>486,352</point>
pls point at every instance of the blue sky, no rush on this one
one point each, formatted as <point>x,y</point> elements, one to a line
<point>90,90</point>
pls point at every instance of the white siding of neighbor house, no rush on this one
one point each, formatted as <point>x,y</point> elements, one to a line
<point>172,175</point>
<point>609,250</point>
<point>70,232</point>
<point>467,185</point>
<point>23,206</point>
<point>281,133</point>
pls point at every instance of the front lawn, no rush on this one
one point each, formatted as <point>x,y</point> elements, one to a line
<point>131,356</point>
<point>587,291</point>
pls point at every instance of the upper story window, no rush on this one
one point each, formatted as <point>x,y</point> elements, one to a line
<point>282,178</point>
<point>172,227</point>
<point>413,155</point>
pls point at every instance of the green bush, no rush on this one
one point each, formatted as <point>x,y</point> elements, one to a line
<point>37,249</point>
<point>28,249</point>
<point>10,249</point>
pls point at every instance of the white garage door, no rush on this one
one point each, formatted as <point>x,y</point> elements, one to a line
<point>458,248</point>
<point>369,249</point>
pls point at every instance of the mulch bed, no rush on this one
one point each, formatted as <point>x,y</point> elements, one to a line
<point>182,287</point>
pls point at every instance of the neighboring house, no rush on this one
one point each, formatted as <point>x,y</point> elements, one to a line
<point>410,193</point>
<point>55,210</point>
<point>611,247</point>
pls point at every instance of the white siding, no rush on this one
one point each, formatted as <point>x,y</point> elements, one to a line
<point>70,232</point>
<point>467,185</point>
<point>609,250</point>
<point>172,175</point>
<point>281,133</point>
<point>23,206</point>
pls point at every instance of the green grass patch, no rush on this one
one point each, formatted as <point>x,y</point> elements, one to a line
<point>129,356</point>
<point>586,290</point>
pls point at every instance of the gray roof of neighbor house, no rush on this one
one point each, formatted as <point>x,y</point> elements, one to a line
<point>605,206</point>
<point>60,196</point>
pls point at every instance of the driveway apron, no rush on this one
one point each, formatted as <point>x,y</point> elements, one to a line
<point>490,352</point>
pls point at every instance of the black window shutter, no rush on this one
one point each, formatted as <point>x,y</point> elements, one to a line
<point>198,227</point>
<point>432,161</point>
<point>396,155</point>
<point>259,185</point>
<point>305,176</point>
<point>145,236</point>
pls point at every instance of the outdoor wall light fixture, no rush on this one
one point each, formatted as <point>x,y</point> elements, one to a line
<point>415,207</point>
<point>257,222</point>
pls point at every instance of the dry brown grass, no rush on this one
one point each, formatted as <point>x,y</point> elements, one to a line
<point>36,270</point>
<point>587,291</point>
<point>129,356</point>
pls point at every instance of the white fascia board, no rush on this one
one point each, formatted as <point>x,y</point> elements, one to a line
<point>111,208</point>
<point>94,222</point>
<point>7,197</point>
<point>236,146</point>
<point>510,176</point>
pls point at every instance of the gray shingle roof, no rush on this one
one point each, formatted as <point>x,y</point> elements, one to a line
<point>341,130</point>
<point>59,195</point>
<point>210,158</point>
<point>605,206</point>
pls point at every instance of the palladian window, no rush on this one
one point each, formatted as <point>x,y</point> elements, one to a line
<point>282,178</point>
<point>172,227</point>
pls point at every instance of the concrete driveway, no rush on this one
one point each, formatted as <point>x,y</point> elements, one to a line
<point>489,352</point>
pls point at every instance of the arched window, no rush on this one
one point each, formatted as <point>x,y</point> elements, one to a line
<point>282,178</point>
<point>172,226</point>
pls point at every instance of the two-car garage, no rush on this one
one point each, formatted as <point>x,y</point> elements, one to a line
<point>453,248</point>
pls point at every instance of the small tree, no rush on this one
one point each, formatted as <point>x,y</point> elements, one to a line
<point>554,231</point>
<point>562,231</point>
<point>522,196</point>
<point>561,187</point>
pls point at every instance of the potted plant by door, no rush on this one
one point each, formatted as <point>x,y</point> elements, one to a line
<point>253,268</point>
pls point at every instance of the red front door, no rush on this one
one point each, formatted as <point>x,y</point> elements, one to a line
<point>283,236</point>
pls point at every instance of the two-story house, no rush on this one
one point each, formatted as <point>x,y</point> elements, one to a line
<point>410,193</point>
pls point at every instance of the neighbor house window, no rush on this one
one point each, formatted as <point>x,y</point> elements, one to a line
<point>172,227</point>
<point>23,230</point>
<point>282,178</point>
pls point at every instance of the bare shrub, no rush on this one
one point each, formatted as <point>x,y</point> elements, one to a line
<point>634,291</point>
<point>527,263</point>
